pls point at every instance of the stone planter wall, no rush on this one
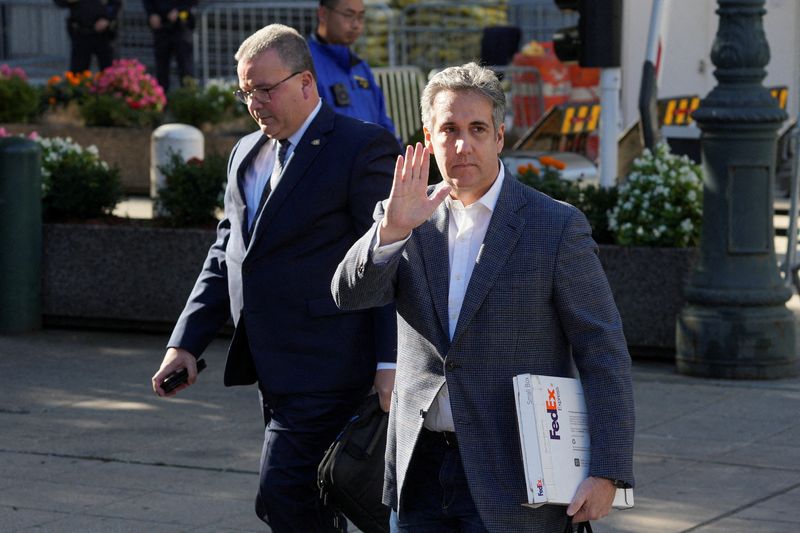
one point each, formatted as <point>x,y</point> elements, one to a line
<point>119,276</point>
<point>127,148</point>
<point>648,287</point>
<point>139,277</point>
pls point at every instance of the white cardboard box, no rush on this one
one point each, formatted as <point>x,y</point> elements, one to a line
<point>554,437</point>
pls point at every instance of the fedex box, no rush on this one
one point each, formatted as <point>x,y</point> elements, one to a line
<point>555,441</point>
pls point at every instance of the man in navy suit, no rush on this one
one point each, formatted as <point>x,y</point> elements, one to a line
<point>491,279</point>
<point>300,192</point>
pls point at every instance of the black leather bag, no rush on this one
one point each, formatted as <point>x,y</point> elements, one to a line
<point>350,476</point>
<point>582,527</point>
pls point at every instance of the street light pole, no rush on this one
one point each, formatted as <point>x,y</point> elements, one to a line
<point>735,323</point>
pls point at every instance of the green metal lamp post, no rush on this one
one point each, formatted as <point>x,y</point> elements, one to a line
<point>735,323</point>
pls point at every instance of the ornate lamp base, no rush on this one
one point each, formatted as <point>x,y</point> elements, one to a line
<point>736,342</point>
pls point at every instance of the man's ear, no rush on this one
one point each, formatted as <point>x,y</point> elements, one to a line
<point>427,143</point>
<point>308,82</point>
<point>322,17</point>
<point>501,136</point>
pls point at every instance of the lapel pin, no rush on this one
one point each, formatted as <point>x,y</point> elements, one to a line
<point>315,142</point>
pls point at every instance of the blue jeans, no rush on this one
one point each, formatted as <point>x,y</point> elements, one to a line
<point>436,497</point>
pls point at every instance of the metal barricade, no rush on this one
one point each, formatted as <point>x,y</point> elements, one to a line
<point>402,87</point>
<point>33,36</point>
<point>524,95</point>
<point>224,25</point>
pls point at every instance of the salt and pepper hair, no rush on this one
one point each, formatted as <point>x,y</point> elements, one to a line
<point>292,49</point>
<point>469,78</point>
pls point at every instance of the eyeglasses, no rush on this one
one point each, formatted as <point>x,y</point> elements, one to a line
<point>261,94</point>
<point>351,16</point>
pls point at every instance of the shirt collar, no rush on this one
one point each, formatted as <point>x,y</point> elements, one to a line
<point>295,137</point>
<point>489,198</point>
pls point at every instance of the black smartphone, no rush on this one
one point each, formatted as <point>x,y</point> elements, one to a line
<point>179,377</point>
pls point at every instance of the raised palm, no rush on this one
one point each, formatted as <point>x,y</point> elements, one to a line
<point>409,204</point>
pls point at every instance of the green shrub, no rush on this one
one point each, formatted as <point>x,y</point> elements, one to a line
<point>19,101</point>
<point>197,106</point>
<point>661,203</point>
<point>76,183</point>
<point>193,189</point>
<point>107,111</point>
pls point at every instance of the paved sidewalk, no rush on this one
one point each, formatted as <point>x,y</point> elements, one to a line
<point>86,447</point>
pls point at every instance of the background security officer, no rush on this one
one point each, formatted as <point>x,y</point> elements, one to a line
<point>172,23</point>
<point>92,27</point>
<point>344,80</point>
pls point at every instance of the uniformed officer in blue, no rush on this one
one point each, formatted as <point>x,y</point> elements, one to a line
<point>344,80</point>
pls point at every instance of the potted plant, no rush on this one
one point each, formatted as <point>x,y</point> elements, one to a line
<point>19,101</point>
<point>62,97</point>
<point>656,221</point>
<point>193,190</point>
<point>124,95</point>
<point>209,108</point>
<point>76,183</point>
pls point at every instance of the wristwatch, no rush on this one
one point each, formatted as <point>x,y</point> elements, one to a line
<point>618,483</point>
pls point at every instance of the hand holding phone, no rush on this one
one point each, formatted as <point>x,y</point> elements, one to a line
<point>179,377</point>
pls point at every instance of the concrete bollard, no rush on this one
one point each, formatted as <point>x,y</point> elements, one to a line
<point>20,235</point>
<point>172,138</point>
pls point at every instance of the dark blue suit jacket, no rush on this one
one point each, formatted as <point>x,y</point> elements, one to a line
<point>290,335</point>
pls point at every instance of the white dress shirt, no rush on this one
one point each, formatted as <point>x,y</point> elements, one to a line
<point>466,231</point>
<point>263,167</point>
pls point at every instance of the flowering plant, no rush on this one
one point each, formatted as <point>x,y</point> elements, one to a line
<point>60,91</point>
<point>75,181</point>
<point>124,95</point>
<point>661,203</point>
<point>593,201</point>
<point>193,189</point>
<point>19,101</point>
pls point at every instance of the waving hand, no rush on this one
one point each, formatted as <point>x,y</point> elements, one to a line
<point>409,205</point>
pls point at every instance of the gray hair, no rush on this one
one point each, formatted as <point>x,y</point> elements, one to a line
<point>287,42</point>
<point>470,77</point>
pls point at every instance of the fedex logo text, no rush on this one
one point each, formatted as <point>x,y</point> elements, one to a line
<point>539,487</point>
<point>552,407</point>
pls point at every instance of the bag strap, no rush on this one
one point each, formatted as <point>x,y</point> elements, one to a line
<point>583,527</point>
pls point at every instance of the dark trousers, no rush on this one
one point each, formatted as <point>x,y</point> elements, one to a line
<point>85,44</point>
<point>436,497</point>
<point>300,427</point>
<point>169,43</point>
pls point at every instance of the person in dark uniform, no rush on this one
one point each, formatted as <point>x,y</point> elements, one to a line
<point>172,23</point>
<point>92,27</point>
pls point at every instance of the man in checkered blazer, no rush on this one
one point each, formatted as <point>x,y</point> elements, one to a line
<point>490,279</point>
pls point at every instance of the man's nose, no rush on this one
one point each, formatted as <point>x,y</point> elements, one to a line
<point>255,104</point>
<point>463,146</point>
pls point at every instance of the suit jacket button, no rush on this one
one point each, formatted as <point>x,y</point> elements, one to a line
<point>450,366</point>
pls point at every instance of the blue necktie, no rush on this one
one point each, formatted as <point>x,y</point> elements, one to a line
<point>283,147</point>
